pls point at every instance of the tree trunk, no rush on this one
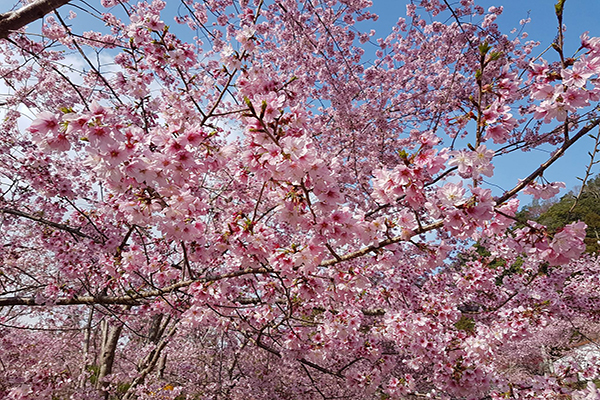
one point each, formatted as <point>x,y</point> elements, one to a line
<point>86,349</point>
<point>110,338</point>
<point>151,360</point>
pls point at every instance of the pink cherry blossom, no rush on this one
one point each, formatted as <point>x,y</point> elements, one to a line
<point>46,122</point>
<point>544,191</point>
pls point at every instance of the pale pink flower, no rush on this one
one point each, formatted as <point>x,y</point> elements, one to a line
<point>544,191</point>
<point>44,123</point>
<point>452,194</point>
<point>568,243</point>
<point>577,76</point>
<point>463,160</point>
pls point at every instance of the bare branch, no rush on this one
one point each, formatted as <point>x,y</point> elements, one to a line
<point>588,171</point>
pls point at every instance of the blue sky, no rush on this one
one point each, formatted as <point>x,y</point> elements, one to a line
<point>579,16</point>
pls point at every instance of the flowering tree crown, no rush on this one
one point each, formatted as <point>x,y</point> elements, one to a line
<point>248,201</point>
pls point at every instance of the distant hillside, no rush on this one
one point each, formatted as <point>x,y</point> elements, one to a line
<point>557,213</point>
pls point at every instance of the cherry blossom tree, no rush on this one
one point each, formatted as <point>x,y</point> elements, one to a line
<point>262,199</point>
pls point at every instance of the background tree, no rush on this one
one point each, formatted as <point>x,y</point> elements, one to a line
<point>580,204</point>
<point>587,210</point>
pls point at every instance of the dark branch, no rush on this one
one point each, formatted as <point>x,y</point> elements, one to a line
<point>62,227</point>
<point>568,143</point>
<point>128,299</point>
<point>381,245</point>
<point>15,20</point>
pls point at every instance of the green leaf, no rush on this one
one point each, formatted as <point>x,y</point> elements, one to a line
<point>466,324</point>
<point>559,8</point>
<point>484,48</point>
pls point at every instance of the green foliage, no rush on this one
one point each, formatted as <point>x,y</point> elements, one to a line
<point>556,215</point>
<point>95,370</point>
<point>465,324</point>
<point>515,268</point>
<point>122,388</point>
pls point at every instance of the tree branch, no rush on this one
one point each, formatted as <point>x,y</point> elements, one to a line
<point>62,227</point>
<point>14,20</point>
<point>128,299</point>
<point>568,143</point>
<point>588,171</point>
<point>381,245</point>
